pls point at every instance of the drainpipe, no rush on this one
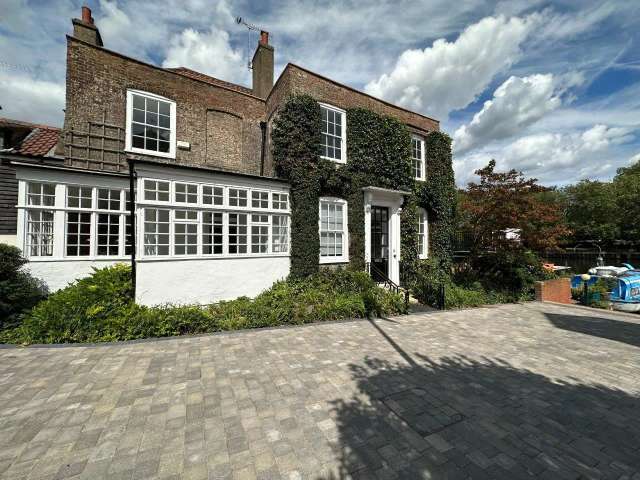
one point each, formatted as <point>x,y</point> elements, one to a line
<point>132,223</point>
<point>263,127</point>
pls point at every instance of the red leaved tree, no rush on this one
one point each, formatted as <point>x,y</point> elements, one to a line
<point>503,201</point>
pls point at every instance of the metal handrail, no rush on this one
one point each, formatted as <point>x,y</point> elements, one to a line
<point>388,282</point>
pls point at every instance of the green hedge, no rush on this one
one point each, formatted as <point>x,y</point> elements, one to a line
<point>98,308</point>
<point>19,290</point>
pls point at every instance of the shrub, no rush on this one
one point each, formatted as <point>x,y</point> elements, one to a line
<point>19,291</point>
<point>99,308</point>
<point>510,270</point>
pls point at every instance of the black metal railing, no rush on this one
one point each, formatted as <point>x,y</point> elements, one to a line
<point>434,296</point>
<point>387,282</point>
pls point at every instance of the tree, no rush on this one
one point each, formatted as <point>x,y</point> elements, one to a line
<point>506,200</point>
<point>626,190</point>
<point>592,211</point>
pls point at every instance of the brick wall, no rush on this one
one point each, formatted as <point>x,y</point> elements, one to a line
<point>97,82</point>
<point>557,290</point>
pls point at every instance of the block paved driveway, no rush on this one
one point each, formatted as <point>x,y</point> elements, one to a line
<point>517,391</point>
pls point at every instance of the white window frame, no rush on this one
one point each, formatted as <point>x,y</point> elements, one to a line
<point>343,139</point>
<point>172,125</point>
<point>423,223</point>
<point>344,258</point>
<point>423,173</point>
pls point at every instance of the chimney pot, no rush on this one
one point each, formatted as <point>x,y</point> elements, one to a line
<point>86,15</point>
<point>264,37</point>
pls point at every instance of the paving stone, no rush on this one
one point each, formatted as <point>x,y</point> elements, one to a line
<point>515,391</point>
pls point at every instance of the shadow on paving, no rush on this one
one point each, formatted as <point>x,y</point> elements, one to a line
<point>462,418</point>
<point>617,330</point>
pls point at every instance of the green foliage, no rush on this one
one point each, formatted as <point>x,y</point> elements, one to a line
<point>514,271</point>
<point>504,277</point>
<point>591,211</point>
<point>626,185</point>
<point>99,308</point>
<point>438,195</point>
<point>19,291</point>
<point>296,153</point>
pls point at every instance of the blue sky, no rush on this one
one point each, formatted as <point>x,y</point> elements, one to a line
<point>551,88</point>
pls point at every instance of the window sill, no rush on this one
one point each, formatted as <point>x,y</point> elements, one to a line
<point>329,260</point>
<point>334,160</point>
<point>151,153</point>
<point>169,258</point>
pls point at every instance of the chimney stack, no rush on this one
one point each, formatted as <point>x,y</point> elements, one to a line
<point>262,65</point>
<point>84,28</point>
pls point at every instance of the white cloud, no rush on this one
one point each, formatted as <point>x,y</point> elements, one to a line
<point>635,159</point>
<point>209,53</point>
<point>31,99</point>
<point>553,157</point>
<point>516,104</point>
<point>450,75</point>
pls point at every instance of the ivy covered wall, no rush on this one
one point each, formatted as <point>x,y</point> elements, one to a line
<point>378,154</point>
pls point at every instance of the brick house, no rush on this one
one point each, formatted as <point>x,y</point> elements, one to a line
<point>212,218</point>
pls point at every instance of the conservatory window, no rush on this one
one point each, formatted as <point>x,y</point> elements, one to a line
<point>259,233</point>
<point>259,199</point>
<point>185,232</point>
<point>280,234</point>
<point>42,194</point>
<point>39,241</point>
<point>79,197</point>
<point>78,234</point>
<point>333,230</point>
<point>237,197</point>
<point>237,233</point>
<point>151,124</point>
<point>156,232</point>
<point>280,201</point>
<point>108,234</point>
<point>186,193</point>
<point>212,195</point>
<point>108,199</point>
<point>212,233</point>
<point>156,190</point>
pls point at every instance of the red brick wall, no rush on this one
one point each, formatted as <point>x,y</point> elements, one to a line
<point>558,290</point>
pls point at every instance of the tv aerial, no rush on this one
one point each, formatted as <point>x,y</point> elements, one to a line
<point>250,27</point>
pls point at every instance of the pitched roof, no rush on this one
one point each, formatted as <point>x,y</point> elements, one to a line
<point>187,72</point>
<point>39,142</point>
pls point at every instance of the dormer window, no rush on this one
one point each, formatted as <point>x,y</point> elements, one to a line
<point>151,124</point>
<point>334,133</point>
<point>417,157</point>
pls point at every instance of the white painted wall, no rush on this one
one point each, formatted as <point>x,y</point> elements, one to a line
<point>206,280</point>
<point>58,274</point>
<point>9,239</point>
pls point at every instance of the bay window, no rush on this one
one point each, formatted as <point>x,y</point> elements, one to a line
<point>333,230</point>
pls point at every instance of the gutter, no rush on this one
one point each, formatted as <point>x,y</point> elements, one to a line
<point>132,223</point>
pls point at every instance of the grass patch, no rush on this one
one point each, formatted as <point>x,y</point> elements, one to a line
<point>98,308</point>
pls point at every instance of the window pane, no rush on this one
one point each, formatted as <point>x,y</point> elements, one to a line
<point>211,233</point>
<point>39,241</point>
<point>280,234</point>
<point>138,102</point>
<point>156,228</point>
<point>331,134</point>
<point>78,233</point>
<point>237,233</point>
<point>212,195</point>
<point>108,234</point>
<point>332,228</point>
